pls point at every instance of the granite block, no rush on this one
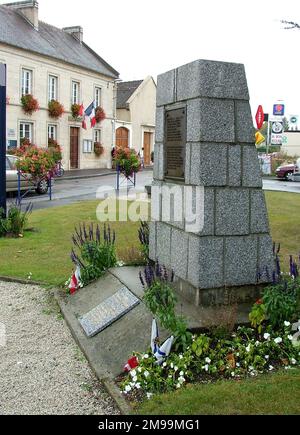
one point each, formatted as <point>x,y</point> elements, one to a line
<point>179,253</point>
<point>200,211</point>
<point>232,212</point>
<point>259,213</point>
<point>159,124</point>
<point>208,164</point>
<point>188,163</point>
<point>159,162</point>
<point>234,165</point>
<point>205,262</point>
<point>205,78</point>
<point>173,206</point>
<point>252,176</point>
<point>266,259</point>
<point>163,244</point>
<point>245,132</point>
<point>166,88</point>
<point>210,120</point>
<point>241,260</point>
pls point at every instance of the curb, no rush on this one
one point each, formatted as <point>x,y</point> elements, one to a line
<point>82,177</point>
<point>21,281</point>
<point>107,382</point>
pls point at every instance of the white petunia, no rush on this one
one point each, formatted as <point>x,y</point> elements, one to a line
<point>267,357</point>
<point>238,365</point>
<point>208,360</point>
<point>133,373</point>
<point>140,370</point>
<point>293,361</point>
<point>135,379</point>
<point>278,340</point>
<point>271,368</point>
<point>165,364</point>
<point>178,386</point>
<point>146,374</point>
<point>181,374</point>
<point>146,356</point>
<point>172,365</point>
<point>128,389</point>
<point>287,324</point>
<point>206,368</point>
<point>233,374</point>
<point>290,337</point>
<point>257,343</point>
<point>248,348</point>
<point>176,369</point>
<point>180,356</point>
<point>149,395</point>
<point>138,386</point>
<point>267,336</point>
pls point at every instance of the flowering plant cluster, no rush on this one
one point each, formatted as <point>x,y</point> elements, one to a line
<point>75,110</point>
<point>100,115</point>
<point>29,104</point>
<point>98,149</point>
<point>97,252</point>
<point>55,109</point>
<point>242,354</point>
<point>127,161</point>
<point>37,162</point>
<point>55,150</point>
<point>144,237</point>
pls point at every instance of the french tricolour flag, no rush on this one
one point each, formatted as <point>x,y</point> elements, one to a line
<point>90,112</point>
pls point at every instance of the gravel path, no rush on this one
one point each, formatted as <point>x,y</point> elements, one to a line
<point>42,370</point>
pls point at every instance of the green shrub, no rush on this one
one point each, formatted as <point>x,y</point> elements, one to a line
<point>15,222</point>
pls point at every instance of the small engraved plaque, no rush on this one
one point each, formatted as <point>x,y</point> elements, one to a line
<point>108,312</point>
<point>175,143</point>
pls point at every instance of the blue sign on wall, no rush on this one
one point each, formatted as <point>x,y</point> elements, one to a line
<point>279,110</point>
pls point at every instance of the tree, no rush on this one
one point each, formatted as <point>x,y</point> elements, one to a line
<point>291,24</point>
<point>286,124</point>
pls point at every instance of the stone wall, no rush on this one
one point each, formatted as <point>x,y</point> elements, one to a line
<point>234,244</point>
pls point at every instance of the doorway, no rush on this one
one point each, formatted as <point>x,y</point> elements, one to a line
<point>74,148</point>
<point>147,148</point>
<point>122,137</point>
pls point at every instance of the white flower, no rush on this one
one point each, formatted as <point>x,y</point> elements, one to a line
<point>128,389</point>
<point>181,374</point>
<point>253,374</point>
<point>293,361</point>
<point>233,374</point>
<point>271,368</point>
<point>172,365</point>
<point>176,369</point>
<point>278,340</point>
<point>248,348</point>
<point>257,343</point>
<point>140,370</point>
<point>135,379</point>
<point>288,368</point>
<point>290,337</point>
<point>146,356</point>
<point>164,364</point>
<point>238,364</point>
<point>237,354</point>
<point>149,395</point>
<point>138,386</point>
<point>146,374</point>
<point>180,356</point>
<point>170,376</point>
<point>207,360</point>
<point>133,373</point>
<point>267,357</point>
<point>206,368</point>
<point>287,324</point>
<point>251,369</point>
<point>178,386</point>
<point>267,336</point>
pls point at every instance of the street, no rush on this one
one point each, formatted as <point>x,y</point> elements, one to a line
<point>67,191</point>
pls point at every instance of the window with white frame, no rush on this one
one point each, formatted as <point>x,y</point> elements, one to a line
<point>87,146</point>
<point>75,92</point>
<point>98,94</point>
<point>52,88</point>
<point>97,136</point>
<point>26,130</point>
<point>52,131</point>
<point>26,81</point>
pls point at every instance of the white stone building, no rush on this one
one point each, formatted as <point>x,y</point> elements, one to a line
<point>52,63</point>
<point>136,108</point>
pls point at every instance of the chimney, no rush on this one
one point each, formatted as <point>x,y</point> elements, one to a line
<point>76,32</point>
<point>29,9</point>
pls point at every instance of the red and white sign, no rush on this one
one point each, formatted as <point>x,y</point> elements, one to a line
<point>260,117</point>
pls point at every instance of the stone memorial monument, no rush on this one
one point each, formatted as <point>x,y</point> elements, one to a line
<point>206,161</point>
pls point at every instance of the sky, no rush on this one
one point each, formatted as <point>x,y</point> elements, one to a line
<point>141,37</point>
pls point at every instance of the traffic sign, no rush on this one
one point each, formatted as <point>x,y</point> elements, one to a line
<point>259,138</point>
<point>260,117</point>
<point>279,110</point>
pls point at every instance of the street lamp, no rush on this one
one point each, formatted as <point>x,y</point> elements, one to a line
<point>3,137</point>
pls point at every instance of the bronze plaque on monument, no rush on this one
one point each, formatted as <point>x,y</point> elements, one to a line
<point>175,143</point>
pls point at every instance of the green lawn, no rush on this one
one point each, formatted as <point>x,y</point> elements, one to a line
<point>46,253</point>
<point>269,394</point>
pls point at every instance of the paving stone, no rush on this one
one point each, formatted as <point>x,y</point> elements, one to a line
<point>234,165</point>
<point>179,244</point>
<point>252,176</point>
<point>241,260</point>
<point>166,88</point>
<point>205,78</point>
<point>232,212</point>
<point>259,213</point>
<point>210,120</point>
<point>205,263</point>
<point>208,164</point>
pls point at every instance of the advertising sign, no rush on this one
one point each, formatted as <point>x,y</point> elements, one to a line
<point>278,110</point>
<point>277,133</point>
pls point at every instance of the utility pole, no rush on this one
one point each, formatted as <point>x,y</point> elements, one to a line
<point>3,137</point>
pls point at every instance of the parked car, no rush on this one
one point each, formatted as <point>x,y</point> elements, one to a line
<point>286,172</point>
<point>26,184</point>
